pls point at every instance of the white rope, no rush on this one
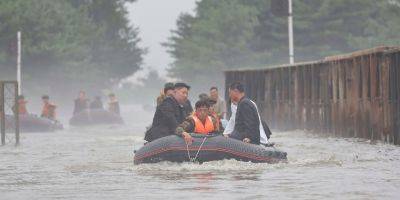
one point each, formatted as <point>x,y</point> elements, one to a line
<point>187,149</point>
<point>198,151</point>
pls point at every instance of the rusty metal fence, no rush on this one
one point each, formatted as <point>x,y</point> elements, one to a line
<point>352,95</point>
<point>9,118</point>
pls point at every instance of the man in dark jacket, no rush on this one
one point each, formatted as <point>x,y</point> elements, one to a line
<point>169,114</point>
<point>187,108</point>
<point>248,125</point>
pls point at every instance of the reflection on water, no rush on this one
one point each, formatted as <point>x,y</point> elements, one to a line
<point>97,163</point>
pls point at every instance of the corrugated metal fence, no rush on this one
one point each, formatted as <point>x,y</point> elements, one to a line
<point>353,95</point>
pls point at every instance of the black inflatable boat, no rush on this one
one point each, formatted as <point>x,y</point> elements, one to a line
<point>210,148</point>
<point>33,123</point>
<point>95,117</point>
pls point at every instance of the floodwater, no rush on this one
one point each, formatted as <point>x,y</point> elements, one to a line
<point>97,163</point>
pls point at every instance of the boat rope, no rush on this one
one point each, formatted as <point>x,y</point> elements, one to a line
<point>198,151</point>
<point>187,149</point>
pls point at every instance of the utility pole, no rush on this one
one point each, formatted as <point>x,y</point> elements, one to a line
<point>290,33</point>
<point>19,62</point>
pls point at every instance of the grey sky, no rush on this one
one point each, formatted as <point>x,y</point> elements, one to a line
<point>155,19</point>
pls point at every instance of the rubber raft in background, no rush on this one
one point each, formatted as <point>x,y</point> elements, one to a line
<point>33,123</point>
<point>215,147</point>
<point>95,117</point>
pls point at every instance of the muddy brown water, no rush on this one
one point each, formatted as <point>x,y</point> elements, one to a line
<point>97,163</point>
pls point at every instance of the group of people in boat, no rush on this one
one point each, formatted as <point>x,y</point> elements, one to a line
<point>83,103</point>
<point>80,104</point>
<point>175,115</point>
<point>48,109</point>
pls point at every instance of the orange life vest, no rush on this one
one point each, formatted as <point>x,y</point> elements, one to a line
<point>201,128</point>
<point>22,107</point>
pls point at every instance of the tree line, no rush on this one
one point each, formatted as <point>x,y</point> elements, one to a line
<point>77,44</point>
<point>230,34</point>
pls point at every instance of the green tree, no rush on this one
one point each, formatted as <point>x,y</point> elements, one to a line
<point>80,44</point>
<point>217,38</point>
<point>117,44</point>
<point>229,34</point>
<point>331,27</point>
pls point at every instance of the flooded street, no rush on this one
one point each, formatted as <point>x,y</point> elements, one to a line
<point>97,163</point>
<point>331,66</point>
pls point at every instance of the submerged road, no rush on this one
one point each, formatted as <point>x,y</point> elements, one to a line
<point>97,163</point>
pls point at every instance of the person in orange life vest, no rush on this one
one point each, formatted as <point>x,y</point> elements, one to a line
<point>49,109</point>
<point>212,112</point>
<point>21,105</point>
<point>200,122</point>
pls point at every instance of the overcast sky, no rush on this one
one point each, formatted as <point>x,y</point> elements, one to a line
<point>155,19</point>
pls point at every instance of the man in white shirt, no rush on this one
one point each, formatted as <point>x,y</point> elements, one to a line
<point>248,124</point>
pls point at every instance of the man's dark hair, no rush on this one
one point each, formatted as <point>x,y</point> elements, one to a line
<point>20,97</point>
<point>168,86</point>
<point>211,102</point>
<point>203,96</point>
<point>213,88</point>
<point>238,86</point>
<point>45,97</point>
<point>201,103</point>
<point>111,95</point>
<point>181,85</point>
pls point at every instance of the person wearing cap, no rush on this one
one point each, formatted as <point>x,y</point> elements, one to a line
<point>49,109</point>
<point>96,103</point>
<point>113,104</point>
<point>167,91</point>
<point>169,114</point>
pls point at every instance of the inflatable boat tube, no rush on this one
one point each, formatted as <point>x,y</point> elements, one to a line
<point>33,123</point>
<point>204,149</point>
<point>95,117</point>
